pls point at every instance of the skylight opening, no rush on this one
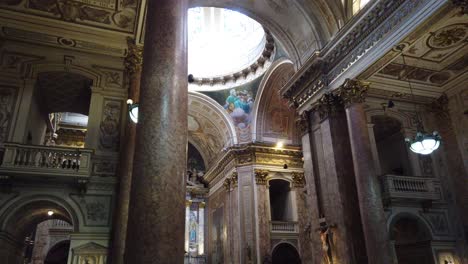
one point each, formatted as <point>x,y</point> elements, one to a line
<point>222,42</point>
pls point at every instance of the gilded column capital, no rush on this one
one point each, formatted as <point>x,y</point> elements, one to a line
<point>328,105</point>
<point>134,59</point>
<point>188,203</point>
<point>298,179</point>
<point>353,91</point>
<point>440,107</point>
<point>463,4</point>
<point>260,176</point>
<point>227,184</point>
<point>202,205</point>
<point>234,178</point>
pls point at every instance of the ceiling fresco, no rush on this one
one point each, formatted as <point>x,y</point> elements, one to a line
<point>119,15</point>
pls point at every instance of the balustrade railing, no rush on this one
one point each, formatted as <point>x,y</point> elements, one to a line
<point>284,227</point>
<point>33,159</point>
<point>409,187</point>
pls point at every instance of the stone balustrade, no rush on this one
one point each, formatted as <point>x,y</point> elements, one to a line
<point>34,160</point>
<point>408,187</point>
<point>284,227</point>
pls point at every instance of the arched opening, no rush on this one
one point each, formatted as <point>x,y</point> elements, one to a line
<point>36,227</point>
<point>58,254</point>
<point>59,110</point>
<point>280,201</point>
<point>412,241</point>
<point>391,147</point>
<point>285,253</point>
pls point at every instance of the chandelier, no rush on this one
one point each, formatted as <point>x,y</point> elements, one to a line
<point>423,143</point>
<point>132,110</point>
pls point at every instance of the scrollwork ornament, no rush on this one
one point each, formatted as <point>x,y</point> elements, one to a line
<point>234,180</point>
<point>303,123</point>
<point>134,59</point>
<point>328,105</point>
<point>260,176</point>
<point>227,184</point>
<point>463,4</point>
<point>298,179</point>
<point>353,91</point>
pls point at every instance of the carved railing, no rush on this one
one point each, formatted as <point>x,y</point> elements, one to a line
<point>284,227</point>
<point>60,224</point>
<point>33,160</point>
<point>406,187</point>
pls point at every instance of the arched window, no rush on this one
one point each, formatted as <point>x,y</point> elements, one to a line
<point>391,147</point>
<point>280,201</point>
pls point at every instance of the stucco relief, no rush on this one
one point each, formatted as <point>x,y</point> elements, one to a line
<point>111,14</point>
<point>7,103</point>
<point>110,125</point>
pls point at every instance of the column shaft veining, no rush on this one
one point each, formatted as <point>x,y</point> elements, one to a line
<point>156,220</point>
<point>368,188</point>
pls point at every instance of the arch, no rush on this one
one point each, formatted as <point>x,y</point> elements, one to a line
<point>58,253</point>
<point>285,252</point>
<point>210,127</point>
<point>270,106</point>
<point>281,202</point>
<point>63,210</point>
<point>319,20</point>
<point>42,67</point>
<point>392,220</point>
<point>405,119</point>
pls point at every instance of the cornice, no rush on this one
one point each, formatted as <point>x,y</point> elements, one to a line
<point>342,52</point>
<point>256,154</point>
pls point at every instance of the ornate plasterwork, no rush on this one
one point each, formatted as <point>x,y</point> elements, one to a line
<point>55,40</point>
<point>261,176</point>
<point>231,182</point>
<point>298,179</point>
<point>350,45</point>
<point>463,4</point>
<point>353,91</point>
<point>109,14</point>
<point>134,59</point>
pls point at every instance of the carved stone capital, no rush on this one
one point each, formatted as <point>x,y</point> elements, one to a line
<point>298,179</point>
<point>328,105</point>
<point>234,180</point>
<point>201,205</point>
<point>188,203</point>
<point>303,123</point>
<point>134,59</point>
<point>353,91</point>
<point>227,184</point>
<point>463,4</point>
<point>260,176</point>
<point>440,108</point>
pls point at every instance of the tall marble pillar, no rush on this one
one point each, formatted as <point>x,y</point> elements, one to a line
<point>373,219</point>
<point>133,63</point>
<point>157,203</point>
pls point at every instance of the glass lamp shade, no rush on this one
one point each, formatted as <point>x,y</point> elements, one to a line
<point>424,144</point>
<point>133,111</point>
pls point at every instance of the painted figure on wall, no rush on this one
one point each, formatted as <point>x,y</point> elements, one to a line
<point>193,227</point>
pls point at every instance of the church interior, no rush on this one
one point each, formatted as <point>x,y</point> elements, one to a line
<point>237,132</point>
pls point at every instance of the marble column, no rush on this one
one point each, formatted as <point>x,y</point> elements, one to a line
<point>373,219</point>
<point>133,63</point>
<point>263,217</point>
<point>201,228</point>
<point>187,226</point>
<point>157,203</point>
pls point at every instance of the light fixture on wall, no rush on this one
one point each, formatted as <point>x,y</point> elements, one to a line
<point>423,143</point>
<point>132,110</point>
<point>50,213</point>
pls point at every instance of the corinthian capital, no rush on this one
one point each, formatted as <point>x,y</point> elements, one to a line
<point>353,91</point>
<point>463,4</point>
<point>134,59</point>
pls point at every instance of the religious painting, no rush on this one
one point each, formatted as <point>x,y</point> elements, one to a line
<point>193,229</point>
<point>217,239</point>
<point>239,102</point>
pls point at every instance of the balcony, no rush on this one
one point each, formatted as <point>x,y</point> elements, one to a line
<point>413,188</point>
<point>284,227</point>
<point>33,161</point>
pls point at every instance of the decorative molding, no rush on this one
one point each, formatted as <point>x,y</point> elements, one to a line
<point>231,182</point>
<point>298,179</point>
<point>260,176</point>
<point>462,4</point>
<point>303,123</point>
<point>346,49</point>
<point>134,59</point>
<point>353,91</point>
<point>328,105</point>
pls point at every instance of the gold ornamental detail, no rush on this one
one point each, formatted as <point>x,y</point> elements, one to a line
<point>353,91</point>
<point>298,179</point>
<point>134,59</point>
<point>260,176</point>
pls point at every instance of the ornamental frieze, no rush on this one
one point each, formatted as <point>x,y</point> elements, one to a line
<point>298,179</point>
